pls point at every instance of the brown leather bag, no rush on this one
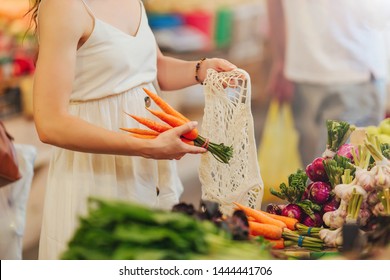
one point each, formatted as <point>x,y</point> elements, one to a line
<point>9,169</point>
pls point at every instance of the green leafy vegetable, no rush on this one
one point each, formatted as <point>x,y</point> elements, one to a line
<point>335,167</point>
<point>338,134</point>
<point>296,187</point>
<point>116,230</point>
<point>309,207</point>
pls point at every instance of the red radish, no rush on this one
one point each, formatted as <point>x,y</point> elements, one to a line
<point>293,211</point>
<point>331,205</point>
<point>316,171</point>
<point>273,208</point>
<point>316,222</point>
<point>346,151</point>
<point>319,192</point>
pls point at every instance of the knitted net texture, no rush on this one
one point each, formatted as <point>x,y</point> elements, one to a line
<point>228,119</point>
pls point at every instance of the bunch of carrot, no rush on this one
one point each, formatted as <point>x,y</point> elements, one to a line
<point>267,225</point>
<point>173,118</point>
<point>279,231</point>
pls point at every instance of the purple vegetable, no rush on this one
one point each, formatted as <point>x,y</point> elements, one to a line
<point>306,193</point>
<point>316,222</point>
<point>331,205</point>
<point>274,209</point>
<point>316,171</point>
<point>319,192</point>
<point>346,151</point>
<point>293,211</point>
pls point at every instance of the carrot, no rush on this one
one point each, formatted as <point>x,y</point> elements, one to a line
<point>159,127</point>
<point>265,230</point>
<point>189,142</point>
<point>276,243</point>
<point>141,131</point>
<point>174,121</point>
<point>290,222</point>
<point>164,105</point>
<point>259,216</point>
<point>143,136</point>
<point>251,219</point>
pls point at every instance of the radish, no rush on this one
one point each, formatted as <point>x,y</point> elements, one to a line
<point>346,150</point>
<point>319,192</point>
<point>331,205</point>
<point>316,222</point>
<point>273,208</point>
<point>293,211</point>
<point>316,171</point>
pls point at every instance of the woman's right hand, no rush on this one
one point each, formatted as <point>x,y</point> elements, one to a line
<point>168,145</point>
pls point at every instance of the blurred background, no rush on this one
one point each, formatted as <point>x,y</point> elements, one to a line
<point>233,29</point>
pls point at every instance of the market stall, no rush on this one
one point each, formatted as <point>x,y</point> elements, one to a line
<point>336,208</point>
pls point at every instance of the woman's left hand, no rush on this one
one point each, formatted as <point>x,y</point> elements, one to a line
<point>218,64</point>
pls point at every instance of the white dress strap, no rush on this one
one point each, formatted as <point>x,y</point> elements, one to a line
<point>88,9</point>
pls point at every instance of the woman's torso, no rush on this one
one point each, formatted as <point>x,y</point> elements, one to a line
<point>111,61</point>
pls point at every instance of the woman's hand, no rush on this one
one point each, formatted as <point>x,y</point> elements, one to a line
<point>218,64</point>
<point>168,145</point>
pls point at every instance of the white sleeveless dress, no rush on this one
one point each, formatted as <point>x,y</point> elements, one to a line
<point>112,67</point>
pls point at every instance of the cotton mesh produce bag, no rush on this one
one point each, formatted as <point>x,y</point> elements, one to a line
<point>228,119</point>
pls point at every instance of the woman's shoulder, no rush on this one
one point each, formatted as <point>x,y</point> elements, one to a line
<point>64,15</point>
<point>62,8</point>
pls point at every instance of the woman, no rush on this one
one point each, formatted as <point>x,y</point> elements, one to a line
<point>94,59</point>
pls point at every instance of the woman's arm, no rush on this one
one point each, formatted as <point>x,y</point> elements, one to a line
<point>173,73</point>
<point>59,35</point>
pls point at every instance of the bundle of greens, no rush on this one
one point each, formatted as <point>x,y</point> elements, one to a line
<point>335,167</point>
<point>117,230</point>
<point>296,194</point>
<point>338,134</point>
<point>293,192</point>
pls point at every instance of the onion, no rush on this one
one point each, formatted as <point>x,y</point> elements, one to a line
<point>319,192</point>
<point>316,222</point>
<point>346,151</point>
<point>293,211</point>
<point>316,171</point>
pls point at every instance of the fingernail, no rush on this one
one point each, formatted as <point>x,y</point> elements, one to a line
<point>194,123</point>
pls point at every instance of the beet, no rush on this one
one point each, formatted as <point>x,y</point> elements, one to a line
<point>346,151</point>
<point>316,222</point>
<point>293,211</point>
<point>316,171</point>
<point>332,205</point>
<point>319,192</point>
<point>274,209</point>
<point>306,193</point>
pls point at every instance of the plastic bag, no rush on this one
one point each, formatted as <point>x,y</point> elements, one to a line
<point>278,150</point>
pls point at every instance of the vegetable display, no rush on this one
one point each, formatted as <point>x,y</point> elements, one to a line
<point>118,230</point>
<point>349,185</point>
<point>173,118</point>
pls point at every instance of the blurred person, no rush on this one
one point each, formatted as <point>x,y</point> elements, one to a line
<point>329,62</point>
<point>89,72</point>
